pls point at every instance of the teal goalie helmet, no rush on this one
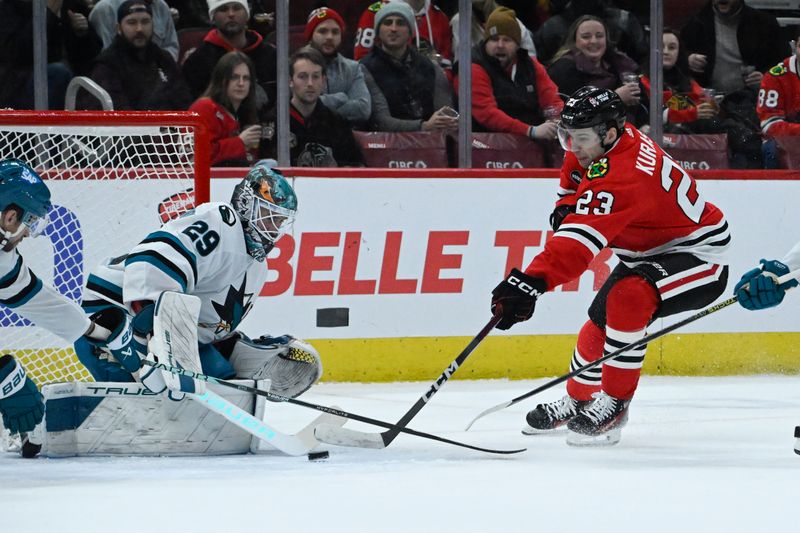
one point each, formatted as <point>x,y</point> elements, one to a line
<point>21,186</point>
<point>267,206</point>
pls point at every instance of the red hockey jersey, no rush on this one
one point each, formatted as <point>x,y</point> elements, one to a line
<point>433,26</point>
<point>779,99</point>
<point>635,200</point>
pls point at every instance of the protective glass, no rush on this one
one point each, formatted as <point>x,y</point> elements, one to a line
<point>574,140</point>
<point>270,220</point>
<point>35,225</point>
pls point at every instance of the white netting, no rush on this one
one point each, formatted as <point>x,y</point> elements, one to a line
<point>114,178</point>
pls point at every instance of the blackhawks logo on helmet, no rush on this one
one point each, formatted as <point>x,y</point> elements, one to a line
<point>598,168</point>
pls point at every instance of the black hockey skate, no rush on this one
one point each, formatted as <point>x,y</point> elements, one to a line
<point>797,440</point>
<point>599,424</point>
<point>551,416</point>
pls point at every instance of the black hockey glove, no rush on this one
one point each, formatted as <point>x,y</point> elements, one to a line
<point>559,214</point>
<point>515,298</point>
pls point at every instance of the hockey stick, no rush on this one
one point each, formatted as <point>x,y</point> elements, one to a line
<point>330,410</point>
<point>636,344</point>
<point>301,443</point>
<point>175,340</point>
<point>348,437</point>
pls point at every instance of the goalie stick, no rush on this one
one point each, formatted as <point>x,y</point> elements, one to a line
<point>175,340</point>
<point>330,410</point>
<point>636,344</point>
<point>347,437</point>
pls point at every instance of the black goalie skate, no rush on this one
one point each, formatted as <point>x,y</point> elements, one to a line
<point>551,416</point>
<point>600,423</point>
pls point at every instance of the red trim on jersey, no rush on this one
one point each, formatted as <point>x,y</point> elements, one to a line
<point>708,273</point>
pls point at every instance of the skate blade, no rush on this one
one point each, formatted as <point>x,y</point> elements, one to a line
<point>530,431</point>
<point>608,438</point>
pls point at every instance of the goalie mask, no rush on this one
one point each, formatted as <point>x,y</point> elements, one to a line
<point>587,117</point>
<point>267,205</point>
<point>21,186</point>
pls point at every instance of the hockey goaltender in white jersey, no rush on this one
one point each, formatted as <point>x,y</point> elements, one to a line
<point>217,253</point>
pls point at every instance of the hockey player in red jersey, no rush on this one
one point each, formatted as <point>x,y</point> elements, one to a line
<point>779,97</point>
<point>618,190</point>
<point>433,31</point>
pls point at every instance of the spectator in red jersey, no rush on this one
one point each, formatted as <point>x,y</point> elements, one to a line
<point>409,91</point>
<point>779,97</point>
<point>432,33</point>
<point>779,104</point>
<point>684,100</point>
<point>511,92</point>
<point>227,103</point>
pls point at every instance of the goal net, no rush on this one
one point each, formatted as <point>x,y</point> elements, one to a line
<point>114,177</point>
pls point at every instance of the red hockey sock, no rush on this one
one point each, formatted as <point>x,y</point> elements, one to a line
<point>630,305</point>
<point>591,340</point>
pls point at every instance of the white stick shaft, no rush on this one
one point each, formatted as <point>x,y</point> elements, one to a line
<point>288,444</point>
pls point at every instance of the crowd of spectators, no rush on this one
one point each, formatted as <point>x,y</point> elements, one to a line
<point>728,70</point>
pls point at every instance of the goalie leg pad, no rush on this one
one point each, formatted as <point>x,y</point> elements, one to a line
<point>292,365</point>
<point>214,363</point>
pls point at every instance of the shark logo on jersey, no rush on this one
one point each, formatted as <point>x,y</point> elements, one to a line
<point>236,306</point>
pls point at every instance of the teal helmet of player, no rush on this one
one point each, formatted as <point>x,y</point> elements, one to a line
<point>21,187</point>
<point>267,206</point>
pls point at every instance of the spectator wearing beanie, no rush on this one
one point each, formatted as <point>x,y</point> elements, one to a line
<point>511,91</point>
<point>409,91</point>
<point>230,33</point>
<point>103,18</point>
<point>345,92</point>
<point>136,73</point>
<point>432,37</point>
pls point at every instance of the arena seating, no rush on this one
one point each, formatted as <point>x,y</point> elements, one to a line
<point>415,149</point>
<point>698,151</point>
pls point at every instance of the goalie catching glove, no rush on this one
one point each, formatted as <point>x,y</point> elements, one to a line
<point>759,288</point>
<point>514,299</point>
<point>291,364</point>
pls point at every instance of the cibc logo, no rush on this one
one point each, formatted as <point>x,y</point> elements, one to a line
<point>407,164</point>
<point>503,164</point>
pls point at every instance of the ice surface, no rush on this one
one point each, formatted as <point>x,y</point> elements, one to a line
<point>698,455</point>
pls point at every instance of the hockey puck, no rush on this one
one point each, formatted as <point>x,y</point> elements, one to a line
<point>318,456</point>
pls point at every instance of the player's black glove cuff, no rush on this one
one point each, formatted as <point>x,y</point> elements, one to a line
<point>515,298</point>
<point>559,214</point>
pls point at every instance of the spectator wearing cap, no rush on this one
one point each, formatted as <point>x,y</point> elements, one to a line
<point>136,73</point>
<point>103,18</point>
<point>511,91</point>
<point>409,91</point>
<point>345,92</point>
<point>230,33</point>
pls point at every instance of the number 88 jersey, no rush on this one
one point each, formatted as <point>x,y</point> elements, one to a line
<point>778,105</point>
<point>201,253</point>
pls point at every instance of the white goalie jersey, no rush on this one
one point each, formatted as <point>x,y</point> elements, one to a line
<point>202,253</point>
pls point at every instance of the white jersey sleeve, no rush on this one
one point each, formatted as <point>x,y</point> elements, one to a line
<point>23,292</point>
<point>792,259</point>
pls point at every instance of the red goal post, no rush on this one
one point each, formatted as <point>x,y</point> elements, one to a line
<point>114,177</point>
